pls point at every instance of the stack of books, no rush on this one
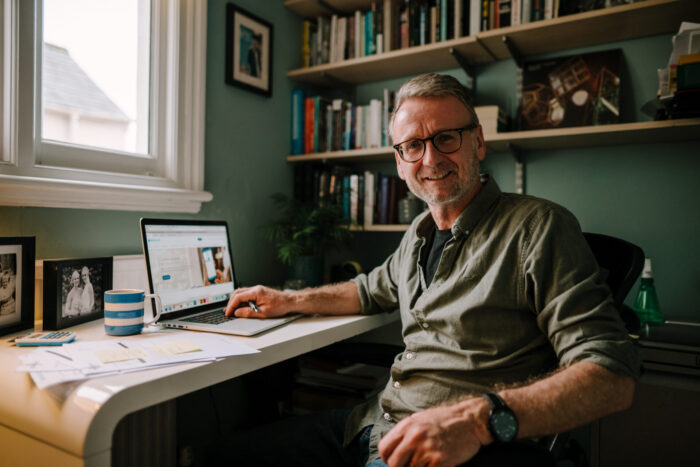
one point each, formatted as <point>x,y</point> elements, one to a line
<point>320,124</point>
<point>397,24</point>
<point>367,197</point>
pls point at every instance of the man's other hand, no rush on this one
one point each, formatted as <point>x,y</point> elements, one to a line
<point>441,436</point>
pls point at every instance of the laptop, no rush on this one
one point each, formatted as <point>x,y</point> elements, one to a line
<point>189,265</point>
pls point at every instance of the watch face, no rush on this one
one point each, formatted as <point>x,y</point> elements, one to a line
<point>504,425</point>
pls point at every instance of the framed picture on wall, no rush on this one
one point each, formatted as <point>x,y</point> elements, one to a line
<point>248,51</point>
<point>16,284</point>
<point>74,290</point>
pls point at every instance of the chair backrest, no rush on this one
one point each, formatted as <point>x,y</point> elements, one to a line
<point>620,262</point>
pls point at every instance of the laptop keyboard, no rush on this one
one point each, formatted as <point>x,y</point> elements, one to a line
<point>212,317</point>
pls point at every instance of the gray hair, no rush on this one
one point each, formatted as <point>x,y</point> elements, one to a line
<point>432,85</point>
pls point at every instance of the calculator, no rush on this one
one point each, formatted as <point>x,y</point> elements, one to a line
<point>45,338</point>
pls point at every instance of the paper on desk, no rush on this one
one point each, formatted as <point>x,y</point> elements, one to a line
<point>81,360</point>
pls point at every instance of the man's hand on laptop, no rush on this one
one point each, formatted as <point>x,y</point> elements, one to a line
<point>257,302</point>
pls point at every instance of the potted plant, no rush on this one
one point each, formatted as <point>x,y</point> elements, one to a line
<point>302,235</point>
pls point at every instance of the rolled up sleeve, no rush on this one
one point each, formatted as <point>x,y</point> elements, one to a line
<point>574,308</point>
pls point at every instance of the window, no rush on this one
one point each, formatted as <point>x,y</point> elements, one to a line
<point>103,104</point>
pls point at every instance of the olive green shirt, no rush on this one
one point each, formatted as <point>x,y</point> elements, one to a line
<point>517,293</point>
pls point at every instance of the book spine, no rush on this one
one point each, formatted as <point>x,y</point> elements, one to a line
<point>360,199</point>
<point>384,199</point>
<point>378,16</point>
<point>526,12</point>
<point>391,204</point>
<point>443,20</point>
<point>515,12</point>
<point>368,214</point>
<point>403,25</point>
<point>474,17</point>
<point>354,198</point>
<point>298,127</point>
<point>359,32</point>
<point>458,18</point>
<point>548,9</point>
<point>388,29</point>
<point>369,34</point>
<point>346,197</point>
<point>484,15</point>
<point>309,126</point>
<point>504,13</point>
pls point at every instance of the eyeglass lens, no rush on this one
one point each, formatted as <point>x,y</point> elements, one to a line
<point>446,142</point>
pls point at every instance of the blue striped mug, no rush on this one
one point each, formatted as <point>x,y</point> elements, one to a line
<point>124,311</point>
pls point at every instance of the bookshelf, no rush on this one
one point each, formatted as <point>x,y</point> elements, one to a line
<point>636,20</point>
<point>647,18</point>
<point>561,138</point>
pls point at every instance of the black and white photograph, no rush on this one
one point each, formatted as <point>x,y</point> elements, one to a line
<point>8,287</point>
<point>248,51</point>
<point>16,285</point>
<point>74,290</point>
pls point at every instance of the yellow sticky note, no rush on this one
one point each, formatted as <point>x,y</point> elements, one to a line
<point>119,355</point>
<point>175,347</point>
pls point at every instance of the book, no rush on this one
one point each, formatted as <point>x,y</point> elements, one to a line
<point>504,13</point>
<point>369,198</point>
<point>516,12</point>
<point>570,91</point>
<point>474,17</point>
<point>298,126</point>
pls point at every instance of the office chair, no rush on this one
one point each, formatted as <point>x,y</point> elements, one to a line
<point>620,264</point>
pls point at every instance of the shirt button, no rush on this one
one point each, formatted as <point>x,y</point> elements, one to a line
<point>409,355</point>
<point>425,325</point>
<point>387,417</point>
<point>397,384</point>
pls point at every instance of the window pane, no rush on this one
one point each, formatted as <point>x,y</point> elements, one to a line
<point>95,73</point>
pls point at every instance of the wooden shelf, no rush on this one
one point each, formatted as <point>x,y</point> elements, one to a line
<point>647,18</point>
<point>560,138</point>
<point>622,22</point>
<point>393,64</point>
<point>380,228</point>
<point>600,135</point>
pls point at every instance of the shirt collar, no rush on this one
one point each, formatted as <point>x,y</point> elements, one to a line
<point>472,214</point>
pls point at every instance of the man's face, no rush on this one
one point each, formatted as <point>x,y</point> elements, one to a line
<point>85,275</point>
<point>437,178</point>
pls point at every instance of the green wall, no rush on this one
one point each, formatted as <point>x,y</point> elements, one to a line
<point>646,194</point>
<point>247,139</point>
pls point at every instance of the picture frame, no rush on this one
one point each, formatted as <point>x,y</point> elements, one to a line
<point>74,290</point>
<point>17,256</point>
<point>248,51</point>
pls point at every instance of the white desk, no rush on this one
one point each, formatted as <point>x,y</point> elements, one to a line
<point>37,428</point>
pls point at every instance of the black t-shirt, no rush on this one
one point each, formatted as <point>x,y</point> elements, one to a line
<point>438,239</point>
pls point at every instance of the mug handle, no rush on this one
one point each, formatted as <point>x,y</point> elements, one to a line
<point>156,313</point>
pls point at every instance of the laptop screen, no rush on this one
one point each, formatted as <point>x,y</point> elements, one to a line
<point>189,265</point>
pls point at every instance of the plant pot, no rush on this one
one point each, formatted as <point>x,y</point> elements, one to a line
<point>308,270</point>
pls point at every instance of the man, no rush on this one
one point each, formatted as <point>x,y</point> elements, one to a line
<point>254,64</point>
<point>498,293</point>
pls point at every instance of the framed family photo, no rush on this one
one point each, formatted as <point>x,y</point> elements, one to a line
<point>248,51</point>
<point>16,284</point>
<point>74,290</point>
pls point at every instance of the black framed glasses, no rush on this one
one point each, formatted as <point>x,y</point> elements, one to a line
<point>445,141</point>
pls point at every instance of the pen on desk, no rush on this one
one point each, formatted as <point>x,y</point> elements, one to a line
<point>59,355</point>
<point>254,306</point>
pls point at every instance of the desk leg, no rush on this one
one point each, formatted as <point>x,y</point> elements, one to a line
<point>147,437</point>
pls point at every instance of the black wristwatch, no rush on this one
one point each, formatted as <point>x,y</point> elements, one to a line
<point>503,424</point>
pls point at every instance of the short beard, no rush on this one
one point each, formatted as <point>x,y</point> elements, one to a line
<point>459,190</point>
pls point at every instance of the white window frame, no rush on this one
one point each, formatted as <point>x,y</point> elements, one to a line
<point>48,174</point>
